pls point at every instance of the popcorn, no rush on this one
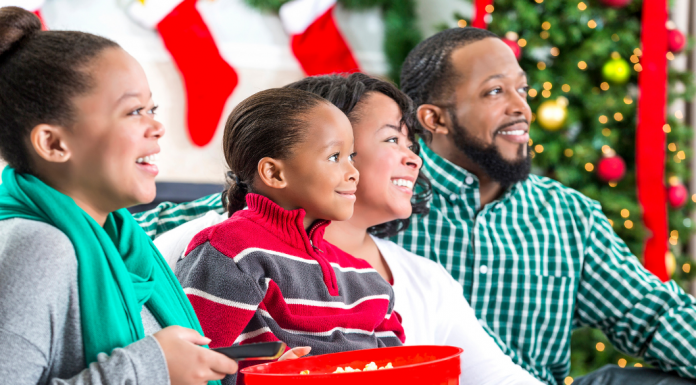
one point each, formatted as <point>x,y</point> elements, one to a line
<point>348,369</point>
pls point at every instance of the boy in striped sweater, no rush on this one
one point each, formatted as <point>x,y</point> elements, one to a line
<point>266,274</point>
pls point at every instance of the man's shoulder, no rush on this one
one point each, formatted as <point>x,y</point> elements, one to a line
<point>549,189</point>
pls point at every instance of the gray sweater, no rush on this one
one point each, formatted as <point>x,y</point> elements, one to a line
<point>40,330</point>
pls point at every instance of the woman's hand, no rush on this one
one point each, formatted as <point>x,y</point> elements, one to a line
<point>187,362</point>
<point>295,353</point>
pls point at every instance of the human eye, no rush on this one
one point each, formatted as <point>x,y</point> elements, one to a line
<point>136,111</point>
<point>523,89</point>
<point>334,157</point>
<point>352,156</point>
<point>393,139</point>
<point>495,91</point>
<point>153,110</point>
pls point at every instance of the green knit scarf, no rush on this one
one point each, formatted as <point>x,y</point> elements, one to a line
<point>119,269</point>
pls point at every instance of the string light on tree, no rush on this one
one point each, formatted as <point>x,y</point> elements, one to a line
<point>670,263</point>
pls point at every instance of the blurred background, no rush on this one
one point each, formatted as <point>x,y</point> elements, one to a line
<point>583,60</point>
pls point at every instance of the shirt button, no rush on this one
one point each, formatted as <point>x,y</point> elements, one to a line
<point>469,180</point>
<point>453,197</point>
<point>483,269</point>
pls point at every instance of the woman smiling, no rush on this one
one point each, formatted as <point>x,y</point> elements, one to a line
<point>431,304</point>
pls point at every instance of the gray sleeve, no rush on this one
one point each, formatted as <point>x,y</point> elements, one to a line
<point>141,362</point>
<point>40,329</point>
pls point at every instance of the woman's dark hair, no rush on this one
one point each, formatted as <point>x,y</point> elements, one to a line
<point>345,92</point>
<point>40,74</point>
<point>269,123</point>
<point>427,74</point>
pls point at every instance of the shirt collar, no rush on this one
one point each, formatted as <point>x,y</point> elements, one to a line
<point>287,225</point>
<point>445,176</point>
<point>448,178</point>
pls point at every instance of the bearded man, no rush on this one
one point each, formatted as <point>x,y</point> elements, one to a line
<point>536,259</point>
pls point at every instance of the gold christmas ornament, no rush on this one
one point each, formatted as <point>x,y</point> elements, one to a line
<point>552,114</point>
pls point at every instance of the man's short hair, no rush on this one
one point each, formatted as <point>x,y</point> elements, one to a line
<point>428,74</point>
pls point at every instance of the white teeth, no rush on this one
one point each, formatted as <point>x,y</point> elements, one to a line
<point>150,159</point>
<point>403,183</point>
<point>513,132</point>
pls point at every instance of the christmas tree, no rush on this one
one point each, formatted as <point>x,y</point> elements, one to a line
<point>582,60</point>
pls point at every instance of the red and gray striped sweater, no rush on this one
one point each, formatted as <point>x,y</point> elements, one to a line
<point>259,276</point>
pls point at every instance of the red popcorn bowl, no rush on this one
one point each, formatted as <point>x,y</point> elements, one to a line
<point>423,365</point>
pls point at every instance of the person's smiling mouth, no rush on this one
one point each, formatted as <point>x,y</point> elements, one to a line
<point>147,163</point>
<point>515,132</point>
<point>348,194</point>
<point>403,184</point>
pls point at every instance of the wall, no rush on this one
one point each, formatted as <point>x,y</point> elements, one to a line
<point>253,43</point>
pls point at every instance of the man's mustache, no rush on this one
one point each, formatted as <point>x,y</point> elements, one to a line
<point>506,125</point>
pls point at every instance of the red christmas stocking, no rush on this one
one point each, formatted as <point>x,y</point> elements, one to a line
<point>209,80</point>
<point>316,41</point>
<point>30,5</point>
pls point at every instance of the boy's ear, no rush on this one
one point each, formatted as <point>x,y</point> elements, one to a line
<point>271,173</point>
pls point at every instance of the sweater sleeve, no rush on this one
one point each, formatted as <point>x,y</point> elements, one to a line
<point>40,330</point>
<point>224,297</point>
<point>141,362</point>
<point>640,315</point>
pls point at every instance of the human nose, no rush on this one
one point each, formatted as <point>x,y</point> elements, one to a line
<point>352,174</point>
<point>517,104</point>
<point>155,129</point>
<point>411,160</point>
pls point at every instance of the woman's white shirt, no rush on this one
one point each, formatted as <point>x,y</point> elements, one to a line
<point>173,243</point>
<point>430,302</point>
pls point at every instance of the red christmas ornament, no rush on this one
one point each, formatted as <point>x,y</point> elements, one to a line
<point>677,195</point>
<point>676,41</point>
<point>515,47</point>
<point>616,3</point>
<point>611,168</point>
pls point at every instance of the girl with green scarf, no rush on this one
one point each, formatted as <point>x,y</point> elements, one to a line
<point>85,297</point>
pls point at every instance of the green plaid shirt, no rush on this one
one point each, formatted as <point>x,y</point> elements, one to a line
<point>534,264</point>
<point>542,260</point>
<point>168,215</point>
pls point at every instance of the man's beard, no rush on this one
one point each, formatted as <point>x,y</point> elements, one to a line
<point>488,157</point>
